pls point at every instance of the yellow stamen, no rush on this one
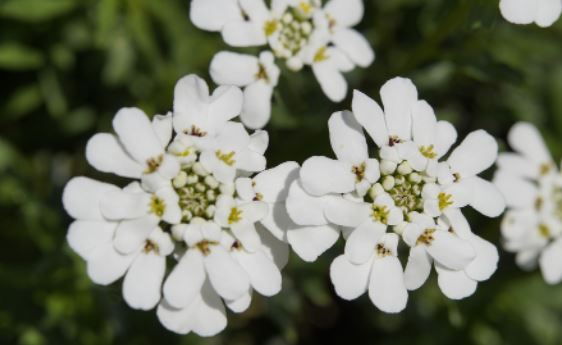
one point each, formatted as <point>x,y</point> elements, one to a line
<point>227,158</point>
<point>428,151</point>
<point>445,200</point>
<point>235,215</point>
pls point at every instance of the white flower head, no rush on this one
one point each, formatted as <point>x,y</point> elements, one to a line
<point>532,185</point>
<point>299,32</point>
<point>403,187</point>
<point>183,205</point>
<point>541,12</point>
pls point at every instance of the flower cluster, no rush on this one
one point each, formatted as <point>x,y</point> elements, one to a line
<point>182,209</point>
<point>403,189</point>
<point>542,12</point>
<point>299,32</point>
<point>532,185</point>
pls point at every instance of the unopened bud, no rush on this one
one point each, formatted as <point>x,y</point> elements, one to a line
<point>387,167</point>
<point>388,183</point>
<point>404,168</point>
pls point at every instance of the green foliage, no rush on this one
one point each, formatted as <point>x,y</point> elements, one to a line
<point>67,66</point>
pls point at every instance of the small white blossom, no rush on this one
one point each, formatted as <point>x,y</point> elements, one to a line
<point>184,204</point>
<point>402,187</point>
<point>299,32</point>
<point>542,12</point>
<point>532,185</point>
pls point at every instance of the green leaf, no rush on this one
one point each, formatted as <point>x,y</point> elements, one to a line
<point>35,10</point>
<point>23,101</point>
<point>14,56</point>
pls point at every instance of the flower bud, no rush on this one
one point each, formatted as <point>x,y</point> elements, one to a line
<point>388,183</point>
<point>404,168</point>
<point>387,167</point>
<point>211,182</point>
<point>180,180</point>
<point>199,169</point>
<point>415,177</point>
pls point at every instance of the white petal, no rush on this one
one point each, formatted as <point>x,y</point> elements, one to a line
<point>386,286</point>
<point>518,165</point>
<point>256,110</point>
<point>486,198</point>
<point>131,233</point>
<point>525,138</point>
<point>355,46</point>
<point>360,245</point>
<point>518,192</point>
<point>330,79</point>
<point>347,212</point>
<point>310,242</point>
<point>476,153</point>
<point>417,269</point>
<point>106,265</point>
<point>347,13</point>
<point>211,15</point>
<point>244,34</point>
<point>184,284</point>
<point>450,251</point>
<point>241,304</point>
<point>82,196</point>
<point>347,138</point>
<point>322,175</point>
<point>226,104</point>
<point>264,276</point>
<point>519,11</point>
<point>304,208</point>
<point>276,249</point>
<point>454,284</point>
<point>278,221</point>
<point>424,124</point>
<point>136,134</point>
<point>350,281</point>
<point>551,262</point>
<point>398,97</point>
<point>106,154</point>
<point>141,287</point>
<point>273,184</point>
<point>191,103</point>
<point>486,261</point>
<point>163,127</point>
<point>119,204</point>
<point>247,235</point>
<point>259,141</point>
<point>370,115</point>
<point>445,137</point>
<point>548,12</point>
<point>85,236</point>
<point>255,9</point>
<point>205,316</point>
<point>236,69</point>
<point>227,277</point>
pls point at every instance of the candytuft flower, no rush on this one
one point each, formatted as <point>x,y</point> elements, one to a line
<point>405,186</point>
<point>532,185</point>
<point>182,208</point>
<point>299,32</point>
<point>541,12</point>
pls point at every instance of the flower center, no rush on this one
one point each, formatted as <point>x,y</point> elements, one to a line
<point>291,33</point>
<point>197,191</point>
<point>405,187</point>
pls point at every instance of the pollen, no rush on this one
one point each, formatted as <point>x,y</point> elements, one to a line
<point>393,140</point>
<point>426,238</point>
<point>544,230</point>
<point>428,152</point>
<point>152,164</point>
<point>195,131</point>
<point>150,246</point>
<point>380,213</point>
<point>359,171</point>
<point>262,73</point>
<point>445,200</point>
<point>205,246</point>
<point>305,7</point>
<point>321,55</point>
<point>235,215</point>
<point>270,27</point>
<point>382,251</point>
<point>227,158</point>
<point>545,169</point>
<point>157,206</point>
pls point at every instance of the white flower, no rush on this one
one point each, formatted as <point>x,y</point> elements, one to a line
<point>381,275</point>
<point>300,32</point>
<point>409,191</point>
<point>542,12</point>
<point>258,76</point>
<point>532,186</point>
<point>183,203</point>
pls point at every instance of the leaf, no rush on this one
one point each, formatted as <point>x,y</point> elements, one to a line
<point>22,101</point>
<point>14,56</point>
<point>35,10</point>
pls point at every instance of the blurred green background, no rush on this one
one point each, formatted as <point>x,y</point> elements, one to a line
<point>66,67</point>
